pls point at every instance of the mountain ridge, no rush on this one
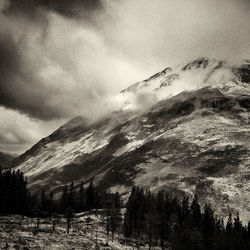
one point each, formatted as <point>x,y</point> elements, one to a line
<point>191,141</point>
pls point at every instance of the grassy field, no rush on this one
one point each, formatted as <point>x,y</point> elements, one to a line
<point>17,232</point>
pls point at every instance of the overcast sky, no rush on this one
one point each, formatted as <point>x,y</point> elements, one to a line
<point>61,58</point>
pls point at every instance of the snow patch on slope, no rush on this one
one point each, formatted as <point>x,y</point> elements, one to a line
<point>56,154</point>
<point>170,82</point>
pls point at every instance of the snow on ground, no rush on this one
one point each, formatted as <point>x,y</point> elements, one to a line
<point>132,145</point>
<point>58,154</point>
<point>120,189</point>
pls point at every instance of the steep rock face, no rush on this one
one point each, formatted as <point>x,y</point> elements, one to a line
<point>195,141</point>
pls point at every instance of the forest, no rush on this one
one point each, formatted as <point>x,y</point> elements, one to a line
<point>145,218</point>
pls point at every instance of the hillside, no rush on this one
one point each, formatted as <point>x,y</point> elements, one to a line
<point>185,129</point>
<point>5,159</point>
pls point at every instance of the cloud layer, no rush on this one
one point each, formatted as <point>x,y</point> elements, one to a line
<point>72,8</point>
<point>62,58</point>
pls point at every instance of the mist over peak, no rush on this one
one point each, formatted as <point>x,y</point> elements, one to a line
<point>59,59</point>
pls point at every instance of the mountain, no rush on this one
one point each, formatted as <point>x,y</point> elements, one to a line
<point>5,159</point>
<point>185,129</point>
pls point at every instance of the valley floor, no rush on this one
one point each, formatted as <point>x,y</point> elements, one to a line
<point>17,232</point>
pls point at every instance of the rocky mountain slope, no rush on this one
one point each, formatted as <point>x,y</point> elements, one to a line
<point>185,129</point>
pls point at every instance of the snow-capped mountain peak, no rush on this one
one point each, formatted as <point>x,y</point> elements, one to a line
<point>190,134</point>
<point>197,74</point>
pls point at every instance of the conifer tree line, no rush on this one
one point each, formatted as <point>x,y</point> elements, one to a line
<point>13,192</point>
<point>150,219</point>
<point>162,220</point>
<point>16,199</point>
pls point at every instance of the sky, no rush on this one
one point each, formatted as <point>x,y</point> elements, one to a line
<point>60,58</point>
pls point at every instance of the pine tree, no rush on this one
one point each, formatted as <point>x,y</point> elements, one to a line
<point>208,226</point>
<point>196,212</point>
<point>229,226</point>
<point>248,229</point>
<point>115,215</point>
<point>72,196</point>
<point>161,218</point>
<point>81,198</point>
<point>51,206</point>
<point>237,225</point>
<point>151,223</point>
<point>64,202</point>
<point>238,229</point>
<point>69,216</point>
<point>44,203</point>
<point>90,196</point>
<point>13,192</point>
<point>185,210</point>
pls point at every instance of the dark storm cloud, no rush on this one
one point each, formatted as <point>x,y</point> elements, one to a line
<point>9,69</point>
<point>69,8</point>
<point>59,59</point>
<point>9,58</point>
<point>59,68</point>
<point>23,56</point>
<point>246,2</point>
<point>19,88</point>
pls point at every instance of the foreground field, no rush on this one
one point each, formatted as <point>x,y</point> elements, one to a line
<point>17,232</point>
